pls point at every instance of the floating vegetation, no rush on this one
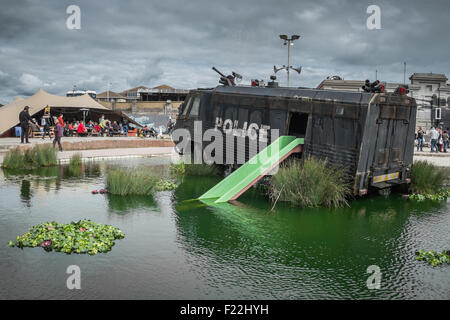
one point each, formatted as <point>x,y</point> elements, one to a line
<point>83,236</point>
<point>310,182</point>
<point>182,169</point>
<point>426,178</point>
<point>177,169</point>
<point>165,185</point>
<point>433,258</point>
<point>31,158</point>
<point>440,196</point>
<point>136,181</point>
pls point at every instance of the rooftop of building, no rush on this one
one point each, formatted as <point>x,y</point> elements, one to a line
<point>135,89</point>
<point>110,94</point>
<point>428,76</point>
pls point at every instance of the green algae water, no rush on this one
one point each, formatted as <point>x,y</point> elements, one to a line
<point>179,248</point>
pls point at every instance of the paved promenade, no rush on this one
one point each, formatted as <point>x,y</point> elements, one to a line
<point>440,159</point>
<point>99,147</point>
<point>105,154</point>
<point>76,143</point>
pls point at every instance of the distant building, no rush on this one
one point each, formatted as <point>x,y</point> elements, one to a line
<point>133,94</point>
<point>111,96</point>
<point>159,93</point>
<point>431,91</point>
<point>162,93</point>
<point>432,94</point>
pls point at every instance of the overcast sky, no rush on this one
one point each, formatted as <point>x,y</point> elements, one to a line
<point>174,42</point>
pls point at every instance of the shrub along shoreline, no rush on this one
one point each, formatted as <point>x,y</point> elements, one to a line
<point>428,182</point>
<point>426,178</point>
<point>32,158</point>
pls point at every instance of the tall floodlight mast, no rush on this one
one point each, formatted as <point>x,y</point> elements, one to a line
<point>288,42</point>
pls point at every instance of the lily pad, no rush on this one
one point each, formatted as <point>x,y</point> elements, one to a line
<point>83,236</point>
<point>433,258</point>
<point>440,196</point>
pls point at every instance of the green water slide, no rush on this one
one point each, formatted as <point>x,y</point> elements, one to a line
<point>253,170</point>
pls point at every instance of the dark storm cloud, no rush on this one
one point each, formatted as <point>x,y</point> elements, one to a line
<point>131,43</point>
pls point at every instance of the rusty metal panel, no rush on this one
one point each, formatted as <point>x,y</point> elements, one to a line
<point>402,113</point>
<point>387,112</point>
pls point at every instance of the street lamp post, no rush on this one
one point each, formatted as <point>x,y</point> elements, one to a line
<point>289,42</point>
<point>404,73</point>
<point>107,92</point>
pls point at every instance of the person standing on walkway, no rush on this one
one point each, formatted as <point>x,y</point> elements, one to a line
<point>446,139</point>
<point>125,126</point>
<point>434,139</point>
<point>25,119</point>
<point>420,134</point>
<point>45,123</point>
<point>58,134</point>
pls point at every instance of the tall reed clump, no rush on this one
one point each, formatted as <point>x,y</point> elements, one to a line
<point>38,156</point>
<point>75,160</point>
<point>203,169</point>
<point>426,178</point>
<point>14,159</point>
<point>310,182</point>
<point>135,181</point>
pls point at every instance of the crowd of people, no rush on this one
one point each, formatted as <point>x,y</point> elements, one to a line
<point>104,127</point>
<point>439,139</point>
<point>62,128</point>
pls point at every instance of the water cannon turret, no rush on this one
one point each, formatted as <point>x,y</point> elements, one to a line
<point>374,87</point>
<point>229,80</point>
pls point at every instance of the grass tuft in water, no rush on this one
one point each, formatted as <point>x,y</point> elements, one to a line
<point>75,160</point>
<point>310,182</point>
<point>182,169</point>
<point>426,178</point>
<point>137,181</point>
<point>31,158</point>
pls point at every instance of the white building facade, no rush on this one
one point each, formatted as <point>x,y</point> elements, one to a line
<point>432,94</point>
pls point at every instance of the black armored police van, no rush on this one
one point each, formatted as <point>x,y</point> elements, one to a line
<point>370,134</point>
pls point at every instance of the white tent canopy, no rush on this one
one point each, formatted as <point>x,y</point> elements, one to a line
<point>9,114</point>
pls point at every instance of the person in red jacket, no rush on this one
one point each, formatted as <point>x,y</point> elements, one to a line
<point>97,127</point>
<point>61,120</point>
<point>82,132</point>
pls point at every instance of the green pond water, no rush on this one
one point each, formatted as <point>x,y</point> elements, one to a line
<point>179,248</point>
